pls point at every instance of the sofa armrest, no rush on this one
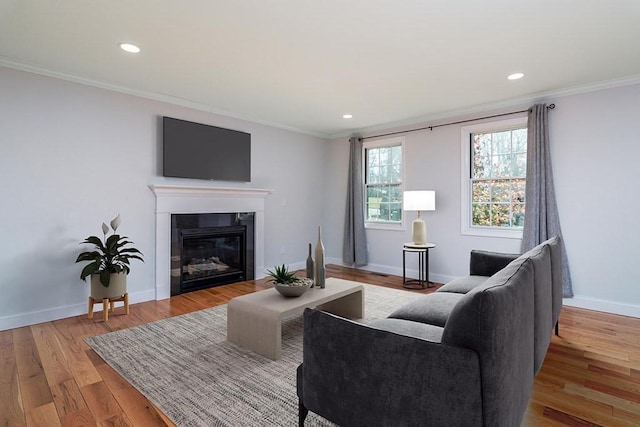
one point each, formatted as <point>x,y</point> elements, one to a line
<point>354,374</point>
<point>485,263</point>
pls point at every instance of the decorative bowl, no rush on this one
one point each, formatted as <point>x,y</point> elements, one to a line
<point>294,289</point>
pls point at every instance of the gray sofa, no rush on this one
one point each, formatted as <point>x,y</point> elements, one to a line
<point>464,355</point>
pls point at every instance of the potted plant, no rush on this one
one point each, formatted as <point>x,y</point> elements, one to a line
<point>287,283</point>
<point>109,262</point>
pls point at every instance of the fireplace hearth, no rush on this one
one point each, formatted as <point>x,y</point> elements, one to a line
<point>210,249</point>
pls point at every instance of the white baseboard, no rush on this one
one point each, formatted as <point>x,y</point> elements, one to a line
<point>34,317</point>
<point>396,271</point>
<point>612,307</point>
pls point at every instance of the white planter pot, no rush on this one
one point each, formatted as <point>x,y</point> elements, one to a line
<point>117,286</point>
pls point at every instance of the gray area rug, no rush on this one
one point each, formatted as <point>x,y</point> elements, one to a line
<point>186,367</point>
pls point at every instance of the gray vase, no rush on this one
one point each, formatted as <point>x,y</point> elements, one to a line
<point>310,265</point>
<point>319,267</point>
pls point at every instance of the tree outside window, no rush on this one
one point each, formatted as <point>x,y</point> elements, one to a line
<point>498,178</point>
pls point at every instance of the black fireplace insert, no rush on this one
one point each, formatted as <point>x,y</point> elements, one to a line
<point>210,250</point>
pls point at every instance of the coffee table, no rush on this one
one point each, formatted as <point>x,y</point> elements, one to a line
<point>254,321</point>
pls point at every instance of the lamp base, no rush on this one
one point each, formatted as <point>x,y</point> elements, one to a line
<point>419,235</point>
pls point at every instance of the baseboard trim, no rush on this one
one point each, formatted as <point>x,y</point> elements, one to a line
<point>48,315</point>
<point>606,306</point>
<point>396,271</point>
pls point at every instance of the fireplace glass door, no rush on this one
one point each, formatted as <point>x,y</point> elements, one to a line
<point>212,256</point>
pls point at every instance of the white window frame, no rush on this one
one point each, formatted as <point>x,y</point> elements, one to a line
<point>465,226</point>
<point>387,142</point>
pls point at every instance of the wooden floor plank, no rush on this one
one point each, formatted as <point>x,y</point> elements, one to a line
<point>43,416</point>
<point>51,354</point>
<point>11,412</point>
<point>140,411</point>
<point>100,401</point>
<point>590,377</point>
<point>32,380</point>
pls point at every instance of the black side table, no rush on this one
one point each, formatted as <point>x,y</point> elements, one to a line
<point>423,265</point>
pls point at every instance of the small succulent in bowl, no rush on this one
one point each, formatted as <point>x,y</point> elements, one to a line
<point>287,283</point>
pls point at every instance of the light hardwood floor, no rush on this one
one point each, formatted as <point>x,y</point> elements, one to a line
<point>50,377</point>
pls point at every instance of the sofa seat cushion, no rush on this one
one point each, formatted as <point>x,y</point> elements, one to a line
<point>409,328</point>
<point>462,285</point>
<point>433,309</point>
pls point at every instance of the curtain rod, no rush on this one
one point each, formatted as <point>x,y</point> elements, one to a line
<point>549,107</point>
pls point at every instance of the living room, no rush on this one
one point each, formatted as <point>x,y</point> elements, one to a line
<point>77,152</point>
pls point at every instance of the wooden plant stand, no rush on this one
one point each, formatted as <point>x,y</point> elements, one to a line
<point>108,305</point>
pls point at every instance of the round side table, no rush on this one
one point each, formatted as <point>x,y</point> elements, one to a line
<point>423,265</point>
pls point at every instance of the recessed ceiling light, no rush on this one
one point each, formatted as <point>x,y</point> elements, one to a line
<point>515,76</point>
<point>347,116</point>
<point>128,47</point>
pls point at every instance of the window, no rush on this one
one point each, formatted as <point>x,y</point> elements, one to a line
<point>495,181</point>
<point>383,174</point>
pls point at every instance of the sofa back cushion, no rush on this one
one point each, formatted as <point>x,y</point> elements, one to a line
<point>486,263</point>
<point>496,321</point>
<point>540,256</point>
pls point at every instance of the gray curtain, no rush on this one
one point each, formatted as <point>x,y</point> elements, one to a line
<point>541,220</point>
<point>354,249</point>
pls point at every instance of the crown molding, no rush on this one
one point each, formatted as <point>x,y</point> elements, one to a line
<point>154,96</point>
<point>545,96</point>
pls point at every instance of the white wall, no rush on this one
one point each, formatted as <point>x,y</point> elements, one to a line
<point>595,151</point>
<point>73,156</point>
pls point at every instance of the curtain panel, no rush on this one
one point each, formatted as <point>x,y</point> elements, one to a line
<point>354,249</point>
<point>541,215</point>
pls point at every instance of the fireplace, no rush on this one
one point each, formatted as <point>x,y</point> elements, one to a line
<point>211,249</point>
<point>196,199</point>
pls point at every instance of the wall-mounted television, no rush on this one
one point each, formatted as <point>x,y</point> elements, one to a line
<point>194,150</point>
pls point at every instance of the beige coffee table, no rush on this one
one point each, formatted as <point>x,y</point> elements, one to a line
<point>254,321</point>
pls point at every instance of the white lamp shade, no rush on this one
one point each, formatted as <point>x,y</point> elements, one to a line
<point>419,200</point>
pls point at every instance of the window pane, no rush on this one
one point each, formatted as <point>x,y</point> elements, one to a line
<point>374,175</point>
<point>395,211</point>
<point>385,155</point>
<point>500,215</point>
<point>396,155</point>
<point>501,143</point>
<point>517,219</point>
<point>519,187</point>
<point>501,191</point>
<point>520,164</point>
<point>373,203</point>
<point>501,165</point>
<point>480,191</point>
<point>395,193</point>
<point>395,173</point>
<point>482,144</point>
<point>481,214</point>
<point>519,141</point>
<point>384,174</point>
<point>481,166</point>
<point>372,155</point>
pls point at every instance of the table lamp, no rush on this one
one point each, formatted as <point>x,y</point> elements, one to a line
<point>419,201</point>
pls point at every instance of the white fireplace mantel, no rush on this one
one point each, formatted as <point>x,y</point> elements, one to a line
<point>180,199</point>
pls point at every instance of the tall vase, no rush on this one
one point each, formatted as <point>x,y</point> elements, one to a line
<point>310,265</point>
<point>319,270</point>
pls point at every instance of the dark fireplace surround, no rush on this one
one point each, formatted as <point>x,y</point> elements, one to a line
<point>211,249</point>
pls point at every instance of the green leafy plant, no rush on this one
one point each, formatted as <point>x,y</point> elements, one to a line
<point>110,255</point>
<point>281,274</point>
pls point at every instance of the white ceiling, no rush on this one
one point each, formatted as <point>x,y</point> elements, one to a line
<point>302,64</point>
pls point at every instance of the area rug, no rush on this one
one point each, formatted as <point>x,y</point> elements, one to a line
<point>186,367</point>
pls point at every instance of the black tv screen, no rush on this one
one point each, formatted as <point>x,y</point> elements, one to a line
<point>194,150</point>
